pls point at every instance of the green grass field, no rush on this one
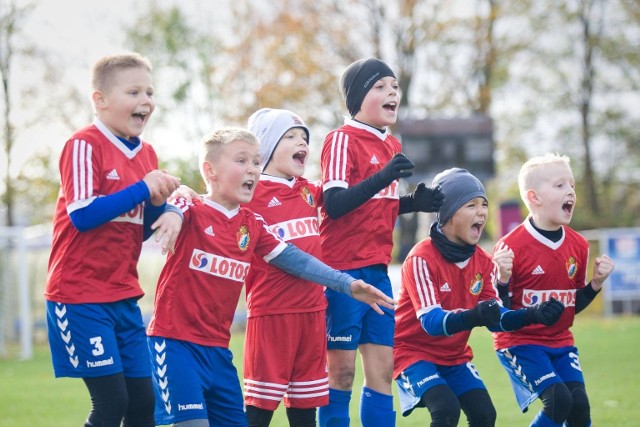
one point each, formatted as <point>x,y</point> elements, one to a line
<point>30,396</point>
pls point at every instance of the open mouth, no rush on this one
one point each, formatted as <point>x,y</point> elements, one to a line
<point>300,157</point>
<point>477,227</point>
<point>390,106</point>
<point>248,185</point>
<point>568,207</point>
<point>140,116</point>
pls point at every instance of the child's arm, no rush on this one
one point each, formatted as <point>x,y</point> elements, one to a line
<point>503,260</point>
<point>167,228</point>
<point>103,209</point>
<point>340,201</point>
<point>546,313</point>
<point>423,199</point>
<point>300,264</point>
<point>444,322</point>
<point>602,268</point>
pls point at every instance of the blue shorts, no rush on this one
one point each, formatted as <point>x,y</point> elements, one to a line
<point>414,381</point>
<point>194,382</point>
<point>94,340</point>
<point>351,322</point>
<point>533,368</point>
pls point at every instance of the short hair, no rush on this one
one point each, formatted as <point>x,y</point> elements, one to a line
<point>213,142</point>
<point>532,171</point>
<point>105,68</point>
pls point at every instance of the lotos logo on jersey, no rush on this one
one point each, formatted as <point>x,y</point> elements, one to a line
<point>134,216</point>
<point>296,228</point>
<point>532,297</point>
<point>572,267</point>
<point>307,196</point>
<point>476,284</point>
<point>243,237</point>
<point>219,266</point>
<point>391,192</point>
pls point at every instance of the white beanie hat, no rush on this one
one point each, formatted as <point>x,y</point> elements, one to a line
<point>270,125</point>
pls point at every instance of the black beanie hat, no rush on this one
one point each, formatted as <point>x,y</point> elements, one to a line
<point>358,78</point>
<point>458,187</point>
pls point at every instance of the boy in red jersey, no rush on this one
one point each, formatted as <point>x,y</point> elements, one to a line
<point>285,346</point>
<point>447,290</point>
<point>110,186</point>
<point>361,165</point>
<point>195,381</point>
<point>549,261</point>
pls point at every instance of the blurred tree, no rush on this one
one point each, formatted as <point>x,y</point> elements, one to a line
<point>11,18</point>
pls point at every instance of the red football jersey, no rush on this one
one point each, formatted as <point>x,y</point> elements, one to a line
<point>291,210</point>
<point>99,265</point>
<point>429,281</point>
<point>543,269</point>
<point>363,236</point>
<point>200,284</point>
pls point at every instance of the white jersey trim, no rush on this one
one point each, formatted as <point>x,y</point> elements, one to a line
<point>130,154</point>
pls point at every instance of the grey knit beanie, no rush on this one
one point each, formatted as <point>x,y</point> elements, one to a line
<point>270,125</point>
<point>458,187</point>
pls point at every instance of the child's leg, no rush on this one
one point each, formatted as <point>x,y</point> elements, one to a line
<point>258,417</point>
<point>336,413</point>
<point>376,409</point>
<point>301,417</point>
<point>580,415</point>
<point>141,403</point>
<point>109,400</point>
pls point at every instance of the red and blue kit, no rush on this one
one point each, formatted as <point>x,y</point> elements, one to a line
<point>543,269</point>
<point>98,265</point>
<point>429,281</point>
<point>291,210</point>
<point>285,345</point>
<point>200,284</point>
<point>364,237</point>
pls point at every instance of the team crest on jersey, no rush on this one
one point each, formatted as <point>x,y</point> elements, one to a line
<point>243,237</point>
<point>476,284</point>
<point>307,196</point>
<point>572,267</point>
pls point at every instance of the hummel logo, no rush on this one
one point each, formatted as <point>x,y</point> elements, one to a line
<point>113,175</point>
<point>445,287</point>
<point>209,231</point>
<point>538,270</point>
<point>374,160</point>
<point>273,203</point>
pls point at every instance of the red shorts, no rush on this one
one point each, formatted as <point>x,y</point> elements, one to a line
<point>285,358</point>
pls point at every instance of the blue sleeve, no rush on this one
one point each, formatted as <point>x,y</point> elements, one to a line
<point>300,264</point>
<point>103,209</point>
<point>510,320</point>
<point>433,321</point>
<point>152,213</point>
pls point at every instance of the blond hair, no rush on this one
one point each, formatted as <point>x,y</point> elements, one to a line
<point>105,68</point>
<point>213,142</point>
<point>532,172</point>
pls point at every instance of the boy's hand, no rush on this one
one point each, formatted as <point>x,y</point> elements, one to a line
<point>602,267</point>
<point>371,295</point>
<point>427,199</point>
<point>398,167</point>
<point>486,313</point>
<point>160,185</point>
<point>503,260</point>
<point>185,192</point>
<point>167,227</point>
<point>546,313</point>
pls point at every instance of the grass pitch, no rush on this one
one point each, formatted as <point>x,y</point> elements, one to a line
<point>30,396</point>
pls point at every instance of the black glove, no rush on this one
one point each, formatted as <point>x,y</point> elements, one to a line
<point>486,313</point>
<point>427,199</point>
<point>398,167</point>
<point>546,313</point>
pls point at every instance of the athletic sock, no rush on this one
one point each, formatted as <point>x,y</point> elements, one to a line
<point>336,413</point>
<point>541,420</point>
<point>376,409</point>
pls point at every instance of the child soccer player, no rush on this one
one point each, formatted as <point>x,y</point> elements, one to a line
<point>285,353</point>
<point>447,290</point>
<point>549,261</point>
<point>195,381</point>
<point>110,185</point>
<point>361,164</point>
